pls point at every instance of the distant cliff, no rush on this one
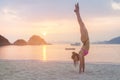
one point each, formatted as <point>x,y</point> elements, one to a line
<point>36,40</point>
<point>3,41</point>
<point>20,42</point>
<point>112,41</point>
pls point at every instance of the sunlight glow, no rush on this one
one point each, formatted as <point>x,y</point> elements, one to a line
<point>44,53</point>
<point>44,33</point>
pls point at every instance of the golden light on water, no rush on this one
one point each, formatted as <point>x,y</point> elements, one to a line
<point>44,53</point>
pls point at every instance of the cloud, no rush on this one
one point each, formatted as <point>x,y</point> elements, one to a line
<point>116,5</point>
<point>9,14</point>
<point>10,11</point>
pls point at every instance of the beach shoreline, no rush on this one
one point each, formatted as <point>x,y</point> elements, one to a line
<point>56,70</point>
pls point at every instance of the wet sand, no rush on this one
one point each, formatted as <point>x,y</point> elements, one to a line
<point>39,70</point>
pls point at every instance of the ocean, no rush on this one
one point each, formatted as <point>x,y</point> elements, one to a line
<point>105,53</point>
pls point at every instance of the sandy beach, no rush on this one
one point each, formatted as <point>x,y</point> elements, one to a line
<point>39,70</point>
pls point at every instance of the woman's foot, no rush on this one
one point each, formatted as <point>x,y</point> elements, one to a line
<point>76,8</point>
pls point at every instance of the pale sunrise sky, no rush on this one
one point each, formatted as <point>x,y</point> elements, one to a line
<point>55,20</point>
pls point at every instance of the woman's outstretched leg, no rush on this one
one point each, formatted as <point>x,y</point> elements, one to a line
<point>83,30</point>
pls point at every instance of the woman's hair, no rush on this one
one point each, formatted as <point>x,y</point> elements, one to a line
<point>75,58</point>
<point>74,54</point>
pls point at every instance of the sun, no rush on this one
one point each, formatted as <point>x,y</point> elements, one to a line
<point>44,33</point>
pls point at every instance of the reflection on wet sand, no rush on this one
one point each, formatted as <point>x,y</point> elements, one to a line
<point>44,53</point>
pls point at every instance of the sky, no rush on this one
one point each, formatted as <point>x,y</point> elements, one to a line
<point>55,20</point>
